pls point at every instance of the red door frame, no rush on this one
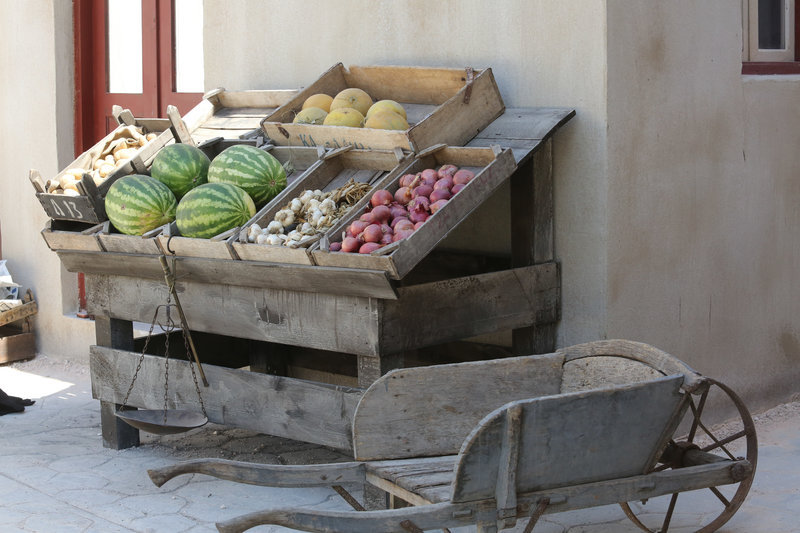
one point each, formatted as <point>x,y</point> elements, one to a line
<point>93,102</point>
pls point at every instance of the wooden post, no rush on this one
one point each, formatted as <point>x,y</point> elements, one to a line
<point>115,333</point>
<point>532,240</point>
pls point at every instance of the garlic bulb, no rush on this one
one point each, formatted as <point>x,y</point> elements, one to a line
<point>328,206</point>
<point>261,238</point>
<point>296,206</point>
<point>307,229</point>
<point>294,235</point>
<point>252,232</point>
<point>285,217</point>
<point>275,239</point>
<point>274,227</point>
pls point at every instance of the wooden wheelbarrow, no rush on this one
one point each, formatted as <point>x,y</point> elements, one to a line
<point>493,442</point>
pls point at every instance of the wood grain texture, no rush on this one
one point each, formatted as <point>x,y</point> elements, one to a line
<point>296,409</point>
<point>429,411</point>
<point>572,439</point>
<point>328,322</point>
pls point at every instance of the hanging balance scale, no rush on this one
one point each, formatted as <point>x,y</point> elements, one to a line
<point>167,421</point>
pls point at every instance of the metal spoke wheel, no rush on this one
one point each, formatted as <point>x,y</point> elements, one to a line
<point>733,440</point>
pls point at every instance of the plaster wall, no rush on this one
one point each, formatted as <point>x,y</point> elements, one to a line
<point>542,53</point>
<point>704,200</point>
<point>36,117</point>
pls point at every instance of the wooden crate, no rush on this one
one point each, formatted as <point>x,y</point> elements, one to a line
<point>376,167</point>
<point>233,114</point>
<point>16,344</point>
<point>491,167</point>
<point>89,206</point>
<point>68,235</point>
<point>444,105</point>
<point>113,241</point>
<point>219,247</point>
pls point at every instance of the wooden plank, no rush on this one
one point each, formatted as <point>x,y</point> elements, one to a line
<point>338,323</point>
<point>572,439</point>
<point>18,313</point>
<point>249,274</point>
<point>200,248</point>
<point>119,243</point>
<point>437,312</point>
<point>70,240</point>
<point>429,411</point>
<point>297,409</point>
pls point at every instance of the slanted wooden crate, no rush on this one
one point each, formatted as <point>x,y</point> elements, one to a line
<point>233,114</point>
<point>335,169</point>
<point>298,160</point>
<point>89,205</point>
<point>444,105</point>
<point>67,235</point>
<point>491,168</point>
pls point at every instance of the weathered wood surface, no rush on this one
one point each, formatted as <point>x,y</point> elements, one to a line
<point>459,308</point>
<point>425,479</point>
<point>265,475</point>
<point>295,409</point>
<point>337,323</point>
<point>27,309</point>
<point>574,438</point>
<point>117,242</point>
<point>484,512</point>
<point>428,411</point>
<point>250,274</point>
<point>658,360</point>
<point>16,345</point>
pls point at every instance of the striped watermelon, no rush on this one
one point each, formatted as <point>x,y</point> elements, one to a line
<point>252,169</point>
<point>181,167</point>
<point>212,208</point>
<point>136,204</point>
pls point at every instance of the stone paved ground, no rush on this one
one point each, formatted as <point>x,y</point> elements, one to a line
<point>55,476</point>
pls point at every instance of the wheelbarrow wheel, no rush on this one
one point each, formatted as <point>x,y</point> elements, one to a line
<point>733,440</point>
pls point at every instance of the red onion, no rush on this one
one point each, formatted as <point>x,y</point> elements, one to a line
<point>403,195</point>
<point>446,170</point>
<point>387,238</point>
<point>418,216</point>
<point>398,220</point>
<point>444,183</point>
<point>463,176</point>
<point>369,217</point>
<point>400,235</point>
<point>435,206</point>
<point>418,224</point>
<point>398,211</point>
<point>372,233</point>
<point>335,246</point>
<point>440,194</point>
<point>401,223</point>
<point>457,187</point>
<point>369,247</point>
<point>418,204</point>
<point>381,213</point>
<point>386,228</point>
<point>429,176</point>
<point>407,179</point>
<point>422,190</point>
<point>357,226</point>
<point>381,197</point>
<point>350,244</point>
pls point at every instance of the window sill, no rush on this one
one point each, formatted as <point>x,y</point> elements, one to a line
<point>767,68</point>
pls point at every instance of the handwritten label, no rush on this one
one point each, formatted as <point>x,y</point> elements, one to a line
<point>67,208</point>
<point>308,140</point>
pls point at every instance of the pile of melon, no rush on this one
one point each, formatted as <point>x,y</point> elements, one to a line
<point>203,197</point>
<point>354,108</point>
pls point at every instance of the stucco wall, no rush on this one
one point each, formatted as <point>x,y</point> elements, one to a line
<point>542,53</point>
<point>36,118</point>
<point>704,197</point>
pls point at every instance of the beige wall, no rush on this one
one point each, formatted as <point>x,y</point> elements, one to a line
<point>704,196</point>
<point>36,117</point>
<point>542,53</point>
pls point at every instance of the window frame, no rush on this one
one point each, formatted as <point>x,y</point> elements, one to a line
<point>754,61</point>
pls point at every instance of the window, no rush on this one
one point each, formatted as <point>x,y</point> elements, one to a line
<point>770,37</point>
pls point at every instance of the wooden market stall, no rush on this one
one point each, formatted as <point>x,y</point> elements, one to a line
<point>289,346</point>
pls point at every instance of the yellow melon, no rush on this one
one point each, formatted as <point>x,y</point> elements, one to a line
<point>354,98</point>
<point>310,115</point>
<point>344,116</point>
<point>387,105</point>
<point>322,101</point>
<point>386,120</point>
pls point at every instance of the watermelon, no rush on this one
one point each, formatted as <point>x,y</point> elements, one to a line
<point>136,204</point>
<point>181,167</point>
<point>213,208</point>
<point>252,169</point>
